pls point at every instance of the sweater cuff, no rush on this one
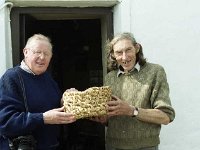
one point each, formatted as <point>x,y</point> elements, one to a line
<point>36,118</point>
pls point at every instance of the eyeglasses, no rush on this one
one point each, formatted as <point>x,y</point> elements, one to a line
<point>39,53</point>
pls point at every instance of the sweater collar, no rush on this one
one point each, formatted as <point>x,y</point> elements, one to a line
<point>121,71</point>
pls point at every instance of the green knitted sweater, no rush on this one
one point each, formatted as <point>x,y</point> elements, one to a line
<point>147,88</point>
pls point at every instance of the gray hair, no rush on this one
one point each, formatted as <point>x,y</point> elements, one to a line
<point>112,63</point>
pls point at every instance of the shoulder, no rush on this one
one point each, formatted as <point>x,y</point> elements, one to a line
<point>156,71</point>
<point>9,74</point>
<point>112,73</point>
<point>9,81</point>
<point>154,67</point>
<point>110,77</point>
<point>152,70</point>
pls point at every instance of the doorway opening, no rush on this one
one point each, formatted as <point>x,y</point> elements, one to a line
<point>77,55</point>
<point>78,36</point>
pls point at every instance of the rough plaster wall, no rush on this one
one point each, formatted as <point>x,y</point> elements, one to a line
<point>2,61</point>
<point>170,34</point>
<point>5,43</point>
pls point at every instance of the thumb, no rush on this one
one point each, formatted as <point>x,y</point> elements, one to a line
<point>59,109</point>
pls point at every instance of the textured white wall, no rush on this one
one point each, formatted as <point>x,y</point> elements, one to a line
<point>1,2</point>
<point>5,38</point>
<point>169,31</point>
<point>2,38</point>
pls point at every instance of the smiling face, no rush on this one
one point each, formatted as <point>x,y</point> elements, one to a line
<point>125,54</point>
<point>37,56</point>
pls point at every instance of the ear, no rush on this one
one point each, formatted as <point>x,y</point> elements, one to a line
<point>25,51</point>
<point>137,47</point>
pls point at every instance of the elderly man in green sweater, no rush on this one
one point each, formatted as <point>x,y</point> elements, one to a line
<point>140,102</point>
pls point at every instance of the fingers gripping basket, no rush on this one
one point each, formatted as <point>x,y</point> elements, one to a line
<point>88,103</point>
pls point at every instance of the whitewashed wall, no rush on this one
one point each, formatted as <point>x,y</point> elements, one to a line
<point>5,38</point>
<point>169,31</point>
<point>2,37</point>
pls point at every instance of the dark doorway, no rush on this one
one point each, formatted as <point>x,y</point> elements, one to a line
<point>77,62</point>
<point>77,56</point>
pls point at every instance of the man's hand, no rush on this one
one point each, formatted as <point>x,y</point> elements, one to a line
<point>58,116</point>
<point>118,107</point>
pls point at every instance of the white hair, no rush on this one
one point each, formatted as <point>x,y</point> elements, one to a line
<point>38,37</point>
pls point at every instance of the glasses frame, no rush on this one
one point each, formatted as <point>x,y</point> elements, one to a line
<point>39,53</point>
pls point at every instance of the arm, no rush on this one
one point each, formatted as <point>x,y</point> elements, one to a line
<point>160,99</point>
<point>14,118</point>
<point>119,107</point>
<point>158,110</point>
<point>153,116</point>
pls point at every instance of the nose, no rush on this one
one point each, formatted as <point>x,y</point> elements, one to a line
<point>42,55</point>
<point>124,55</point>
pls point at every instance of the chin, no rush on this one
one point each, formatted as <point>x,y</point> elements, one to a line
<point>38,72</point>
<point>127,70</point>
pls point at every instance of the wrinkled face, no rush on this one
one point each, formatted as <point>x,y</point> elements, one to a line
<point>125,54</point>
<point>38,56</point>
